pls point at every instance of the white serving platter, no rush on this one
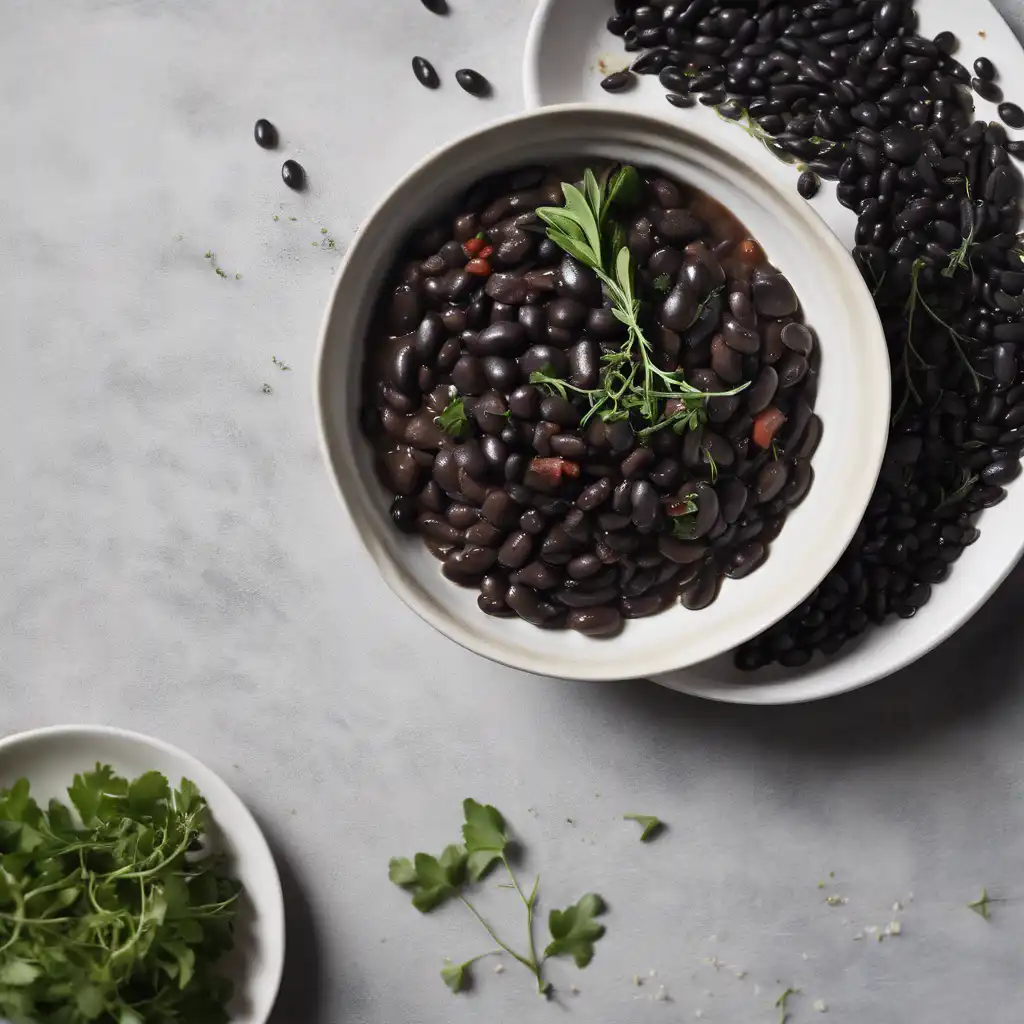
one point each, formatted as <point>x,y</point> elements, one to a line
<point>568,52</point>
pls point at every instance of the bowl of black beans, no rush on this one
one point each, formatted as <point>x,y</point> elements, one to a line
<point>601,400</point>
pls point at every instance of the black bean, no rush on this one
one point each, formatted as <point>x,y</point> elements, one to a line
<point>473,82</point>
<point>985,69</point>
<point>807,184</point>
<point>578,282</point>
<point>559,410</point>
<point>293,175</point>
<point>987,90</point>
<point>774,296</point>
<point>1000,472</point>
<point>425,73</point>
<point>595,622</point>
<point>1012,115</point>
<point>618,81</point>
<point>745,559</point>
<point>771,480</point>
<point>679,308</point>
<point>265,134</point>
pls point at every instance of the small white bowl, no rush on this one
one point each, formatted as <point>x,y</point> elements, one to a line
<point>50,758</point>
<point>853,397</point>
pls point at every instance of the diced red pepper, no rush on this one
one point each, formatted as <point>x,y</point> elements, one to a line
<point>553,469</point>
<point>766,425</point>
<point>473,246</point>
<point>486,252</point>
<point>679,508</point>
<point>479,267</point>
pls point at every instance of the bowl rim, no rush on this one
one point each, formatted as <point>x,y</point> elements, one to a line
<point>270,885</point>
<point>411,595</point>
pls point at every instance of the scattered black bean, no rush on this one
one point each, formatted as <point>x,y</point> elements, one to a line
<point>618,81</point>
<point>293,175</point>
<point>1011,115</point>
<point>436,6</point>
<point>473,82</point>
<point>985,69</point>
<point>266,134</point>
<point>425,73</point>
<point>807,184</point>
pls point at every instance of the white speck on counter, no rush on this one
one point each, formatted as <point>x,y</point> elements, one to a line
<point>895,928</point>
<point>499,968</point>
<point>661,996</point>
<point>897,907</point>
<point>820,1006</point>
<point>652,973</point>
<point>574,989</point>
<point>637,980</point>
<point>740,974</point>
<point>698,1014</point>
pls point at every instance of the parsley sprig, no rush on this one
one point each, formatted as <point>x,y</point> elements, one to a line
<point>113,919</point>
<point>631,382</point>
<point>434,880</point>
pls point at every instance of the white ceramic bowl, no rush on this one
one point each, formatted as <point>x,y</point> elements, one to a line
<point>567,47</point>
<point>50,758</point>
<point>853,397</point>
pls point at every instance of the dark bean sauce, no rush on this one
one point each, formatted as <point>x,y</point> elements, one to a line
<point>582,525</point>
<point>852,91</point>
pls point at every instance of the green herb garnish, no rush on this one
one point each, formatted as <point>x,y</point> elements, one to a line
<point>435,880</point>
<point>453,421</point>
<point>662,284</point>
<point>277,362</point>
<point>781,1002</point>
<point>108,919</point>
<point>651,825</point>
<point>980,906</point>
<point>630,380</point>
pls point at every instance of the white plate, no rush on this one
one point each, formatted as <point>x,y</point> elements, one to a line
<point>568,51</point>
<point>50,758</point>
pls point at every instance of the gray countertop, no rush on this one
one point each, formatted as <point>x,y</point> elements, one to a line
<point>174,560</point>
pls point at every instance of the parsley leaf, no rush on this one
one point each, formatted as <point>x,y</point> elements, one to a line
<point>432,880</point>
<point>485,837</point>
<point>662,284</point>
<point>454,975</point>
<point>980,906</point>
<point>453,421</point>
<point>651,825</point>
<point>574,930</point>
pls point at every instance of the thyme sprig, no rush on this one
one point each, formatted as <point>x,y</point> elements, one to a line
<point>630,379</point>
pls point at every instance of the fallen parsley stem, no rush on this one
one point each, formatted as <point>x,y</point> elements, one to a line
<point>531,967</point>
<point>529,904</point>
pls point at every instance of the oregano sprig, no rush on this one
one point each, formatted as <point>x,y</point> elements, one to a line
<point>631,382</point>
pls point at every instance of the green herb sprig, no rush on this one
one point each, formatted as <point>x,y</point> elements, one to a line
<point>651,825</point>
<point>630,380</point>
<point>112,920</point>
<point>435,880</point>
